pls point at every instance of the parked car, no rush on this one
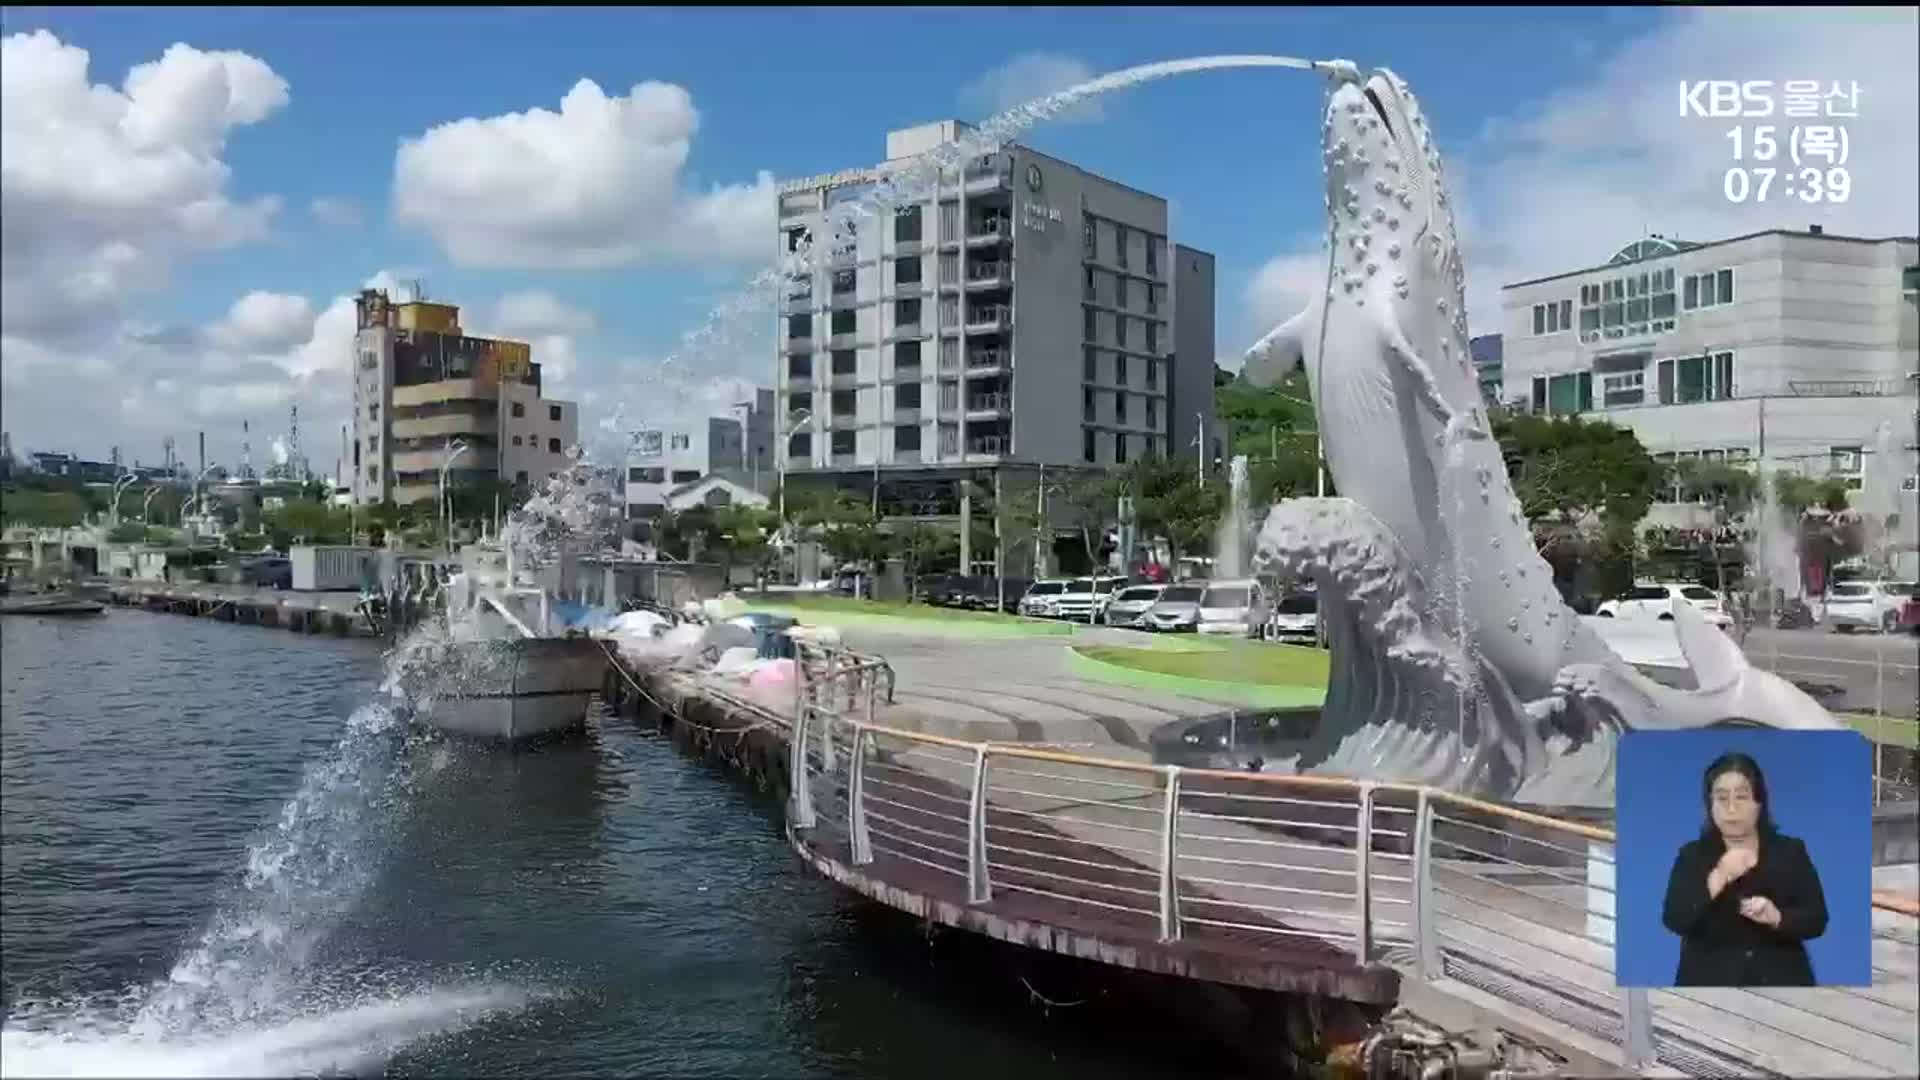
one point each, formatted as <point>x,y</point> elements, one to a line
<point>1041,598</point>
<point>268,572</point>
<point>1295,618</point>
<point>1867,605</point>
<point>1177,610</point>
<point>1235,606</point>
<point>1655,601</point>
<point>1130,605</point>
<point>1085,598</point>
<point>1910,614</point>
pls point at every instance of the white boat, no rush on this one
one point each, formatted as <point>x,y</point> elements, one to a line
<point>504,671</point>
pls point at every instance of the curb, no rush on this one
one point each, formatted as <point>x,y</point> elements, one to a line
<point>983,628</point>
<point>1241,693</point>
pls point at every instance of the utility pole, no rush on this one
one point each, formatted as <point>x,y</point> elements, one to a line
<point>1200,448</point>
<point>1040,522</point>
<point>999,547</point>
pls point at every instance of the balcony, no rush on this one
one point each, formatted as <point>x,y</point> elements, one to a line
<point>906,331</point>
<point>990,230</point>
<point>988,405</point>
<point>989,275</point>
<point>906,457</point>
<point>848,339</point>
<point>843,461</point>
<point>985,320</point>
<point>843,380</point>
<point>798,301</point>
<point>989,175</point>
<point>795,345</point>
<point>906,416</point>
<point>843,420</point>
<point>986,359</point>
<point>988,445</point>
<point>907,373</point>
<point>799,384</point>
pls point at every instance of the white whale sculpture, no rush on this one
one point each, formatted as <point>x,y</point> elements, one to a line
<point>1455,662</point>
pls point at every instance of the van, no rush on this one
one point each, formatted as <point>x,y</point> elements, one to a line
<point>1235,606</point>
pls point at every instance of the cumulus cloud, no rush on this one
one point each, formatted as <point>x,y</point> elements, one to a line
<point>598,184</point>
<point>538,312</point>
<point>102,190</point>
<point>264,322</point>
<point>337,212</point>
<point>1567,183</point>
<point>1028,77</point>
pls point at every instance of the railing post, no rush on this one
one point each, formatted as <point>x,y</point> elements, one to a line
<point>797,767</point>
<point>857,840</point>
<point>1169,853</point>
<point>1637,1019</point>
<point>1363,874</point>
<point>1426,943</point>
<point>979,887</point>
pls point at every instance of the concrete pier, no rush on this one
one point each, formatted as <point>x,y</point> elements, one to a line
<point>334,613</point>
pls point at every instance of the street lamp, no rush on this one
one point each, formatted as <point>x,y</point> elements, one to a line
<point>196,491</point>
<point>746,420</point>
<point>148,501</point>
<point>781,457</point>
<point>119,486</point>
<point>454,450</point>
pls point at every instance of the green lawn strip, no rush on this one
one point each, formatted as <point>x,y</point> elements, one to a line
<point>850,605</point>
<point>1891,730</point>
<point>1236,673</point>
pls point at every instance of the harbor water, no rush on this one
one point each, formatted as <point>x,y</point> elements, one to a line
<point>222,856</point>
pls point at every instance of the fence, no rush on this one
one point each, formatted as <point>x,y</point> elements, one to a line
<point>1303,870</point>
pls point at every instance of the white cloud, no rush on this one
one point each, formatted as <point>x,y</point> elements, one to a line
<point>1029,77</point>
<point>598,184</point>
<point>338,212</point>
<point>1599,164</point>
<point>264,322</point>
<point>102,190</point>
<point>539,312</point>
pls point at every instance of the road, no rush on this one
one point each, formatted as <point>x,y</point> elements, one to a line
<point>1852,672</point>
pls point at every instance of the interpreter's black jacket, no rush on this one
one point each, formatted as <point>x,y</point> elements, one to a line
<point>1721,947</point>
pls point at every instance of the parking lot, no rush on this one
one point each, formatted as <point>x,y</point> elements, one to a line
<point>1852,672</point>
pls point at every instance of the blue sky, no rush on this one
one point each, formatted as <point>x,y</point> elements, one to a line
<point>801,91</point>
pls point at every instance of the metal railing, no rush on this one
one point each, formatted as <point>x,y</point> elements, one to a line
<point>1434,884</point>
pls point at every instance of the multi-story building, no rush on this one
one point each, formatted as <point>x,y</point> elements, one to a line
<point>1022,313</point>
<point>1785,345</point>
<point>739,450</point>
<point>425,394</point>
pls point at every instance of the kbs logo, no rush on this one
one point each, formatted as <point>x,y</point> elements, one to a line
<point>1727,97</point>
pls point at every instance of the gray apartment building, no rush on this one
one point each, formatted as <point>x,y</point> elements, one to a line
<point>1024,313</point>
<point>1785,345</point>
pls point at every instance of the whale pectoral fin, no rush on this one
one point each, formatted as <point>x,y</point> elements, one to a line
<point>1424,383</point>
<point>1275,356</point>
<point>1715,658</point>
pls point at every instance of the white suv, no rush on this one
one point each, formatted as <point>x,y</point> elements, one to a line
<point>1041,598</point>
<point>1656,602</point>
<point>1867,605</point>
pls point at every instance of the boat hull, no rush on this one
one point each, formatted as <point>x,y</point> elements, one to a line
<point>512,691</point>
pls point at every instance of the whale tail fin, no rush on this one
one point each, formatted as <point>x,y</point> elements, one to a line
<point>1715,658</point>
<point>1275,356</point>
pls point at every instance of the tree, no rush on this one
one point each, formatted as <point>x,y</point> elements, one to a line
<point>1275,428</point>
<point>43,509</point>
<point>742,534</point>
<point>305,523</point>
<point>850,531</point>
<point>1566,468</point>
<point>1171,502</point>
<point>1728,488</point>
<point>924,546</point>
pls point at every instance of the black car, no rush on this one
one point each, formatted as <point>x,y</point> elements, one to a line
<point>268,572</point>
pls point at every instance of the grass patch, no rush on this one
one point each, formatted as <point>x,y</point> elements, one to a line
<point>1890,730</point>
<point>1259,665</point>
<point>847,605</point>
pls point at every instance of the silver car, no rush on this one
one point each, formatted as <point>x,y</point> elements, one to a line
<point>1130,605</point>
<point>1178,609</point>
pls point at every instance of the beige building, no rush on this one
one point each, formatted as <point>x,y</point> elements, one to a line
<point>425,393</point>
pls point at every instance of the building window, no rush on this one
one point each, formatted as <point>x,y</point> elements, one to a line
<point>1090,241</point>
<point>843,322</point>
<point>1119,291</point>
<point>1153,336</point>
<point>1153,298</point>
<point>685,476</point>
<point>800,444</point>
<point>1153,415</point>
<point>373,411</point>
<point>796,237</point>
<point>799,367</point>
<point>641,474</point>
<point>1119,448</point>
<point>906,396</point>
<point>553,446</point>
<point>906,271</point>
<point>1552,318</point>
<point>1623,389</point>
<point>1711,289</point>
<point>907,437</point>
<point>799,327</point>
<point>907,313</point>
<point>906,225</point>
<point>520,477</point>
<point>1120,369</point>
<point>1086,405</point>
<point>842,444</point>
<point>1092,334</point>
<point>1847,463</point>
<point>843,362</point>
<point>949,396</point>
<point>679,442</point>
<point>1086,444</point>
<point>516,440</point>
<point>1120,329</point>
<point>1120,406</point>
<point>843,403</point>
<point>949,310</point>
<point>949,267</point>
<point>949,221</point>
<point>799,403</point>
<point>1089,294</point>
<point>1088,368</point>
<point>1685,380</point>
<point>519,409</point>
<point>1153,374</point>
<point>1563,395</point>
<point>1119,249</point>
<point>906,359</point>
<point>1153,445</point>
<point>553,413</point>
<point>844,281</point>
<point>1153,260</point>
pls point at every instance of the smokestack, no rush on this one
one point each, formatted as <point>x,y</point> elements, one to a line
<point>203,453</point>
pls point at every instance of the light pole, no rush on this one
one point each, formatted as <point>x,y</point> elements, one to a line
<point>746,421</point>
<point>148,501</point>
<point>781,456</point>
<point>454,450</point>
<point>119,486</point>
<point>201,475</point>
